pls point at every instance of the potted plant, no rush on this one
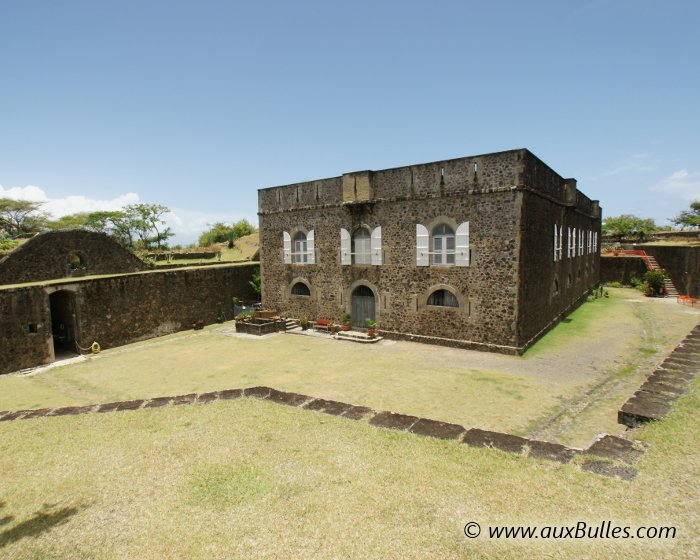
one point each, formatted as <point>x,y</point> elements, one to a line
<point>304,322</point>
<point>345,320</point>
<point>371,328</point>
<point>332,328</point>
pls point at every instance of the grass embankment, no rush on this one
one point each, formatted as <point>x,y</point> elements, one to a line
<point>251,479</point>
<point>243,250</point>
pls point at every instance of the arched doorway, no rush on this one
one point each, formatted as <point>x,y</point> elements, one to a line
<point>363,306</point>
<point>63,324</point>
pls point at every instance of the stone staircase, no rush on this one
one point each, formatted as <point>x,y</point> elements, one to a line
<point>357,336</point>
<point>669,287</point>
<point>291,324</point>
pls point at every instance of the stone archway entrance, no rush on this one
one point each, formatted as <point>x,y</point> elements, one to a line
<point>363,306</point>
<point>63,323</point>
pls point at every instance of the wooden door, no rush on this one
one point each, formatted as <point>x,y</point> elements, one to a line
<point>363,306</point>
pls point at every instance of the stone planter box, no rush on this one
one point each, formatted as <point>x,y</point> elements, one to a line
<point>265,313</point>
<point>259,326</point>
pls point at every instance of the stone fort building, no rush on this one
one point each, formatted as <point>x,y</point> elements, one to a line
<point>485,252</point>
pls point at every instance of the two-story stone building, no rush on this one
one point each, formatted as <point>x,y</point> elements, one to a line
<point>484,252</point>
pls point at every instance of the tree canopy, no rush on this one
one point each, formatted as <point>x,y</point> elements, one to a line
<point>628,226</point>
<point>688,218</point>
<point>223,233</point>
<point>21,217</point>
<point>136,226</point>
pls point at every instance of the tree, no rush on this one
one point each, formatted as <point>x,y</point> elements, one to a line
<point>628,226</point>
<point>688,218</point>
<point>21,217</point>
<point>146,221</point>
<point>71,221</point>
<point>222,233</point>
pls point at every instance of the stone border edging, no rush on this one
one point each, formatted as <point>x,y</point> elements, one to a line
<point>654,398</point>
<point>609,456</point>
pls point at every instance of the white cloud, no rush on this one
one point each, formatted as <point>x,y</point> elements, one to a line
<point>681,183</point>
<point>58,207</point>
<point>30,192</point>
<point>187,224</point>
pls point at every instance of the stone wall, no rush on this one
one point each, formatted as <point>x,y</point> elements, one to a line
<point>621,268</point>
<point>402,287</point>
<point>506,293</point>
<point>117,310</point>
<point>550,289</point>
<point>681,262</point>
<point>47,256</point>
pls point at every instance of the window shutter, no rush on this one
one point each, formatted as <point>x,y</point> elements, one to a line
<point>462,245</point>
<point>422,244</point>
<point>561,243</point>
<point>568,243</point>
<point>556,246</point>
<point>287,247</point>
<point>345,247</point>
<point>376,246</point>
<point>580,242</point>
<point>573,242</point>
<point>310,247</point>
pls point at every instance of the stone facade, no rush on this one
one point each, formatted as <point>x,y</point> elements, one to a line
<point>113,310</point>
<point>621,269</point>
<point>504,286</point>
<point>65,254</point>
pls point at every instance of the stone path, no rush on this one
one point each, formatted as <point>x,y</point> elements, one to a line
<point>654,398</point>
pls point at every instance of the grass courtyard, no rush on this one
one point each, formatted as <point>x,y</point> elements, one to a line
<point>251,479</point>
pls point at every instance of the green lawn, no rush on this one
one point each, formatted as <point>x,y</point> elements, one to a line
<point>568,388</point>
<point>251,479</point>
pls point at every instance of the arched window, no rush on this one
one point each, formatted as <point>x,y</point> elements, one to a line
<point>443,245</point>
<point>361,247</point>
<point>443,298</point>
<point>300,289</point>
<point>300,253</point>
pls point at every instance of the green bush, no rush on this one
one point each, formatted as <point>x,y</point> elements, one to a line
<point>654,281</point>
<point>614,284</point>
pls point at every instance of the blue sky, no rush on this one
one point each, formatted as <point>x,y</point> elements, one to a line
<point>198,104</point>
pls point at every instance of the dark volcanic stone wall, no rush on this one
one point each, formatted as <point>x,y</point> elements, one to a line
<point>550,289</point>
<point>402,287</point>
<point>46,256</point>
<point>118,310</point>
<point>20,348</point>
<point>511,232</point>
<point>621,269</point>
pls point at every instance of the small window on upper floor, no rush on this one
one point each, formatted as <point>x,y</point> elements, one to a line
<point>443,298</point>
<point>443,245</point>
<point>361,247</point>
<point>300,253</point>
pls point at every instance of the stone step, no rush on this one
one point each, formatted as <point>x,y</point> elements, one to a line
<point>356,336</point>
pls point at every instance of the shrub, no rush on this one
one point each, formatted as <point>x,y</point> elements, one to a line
<point>655,279</point>
<point>614,284</point>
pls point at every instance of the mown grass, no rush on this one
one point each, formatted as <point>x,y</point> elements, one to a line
<point>475,389</point>
<point>251,479</point>
<point>582,322</point>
